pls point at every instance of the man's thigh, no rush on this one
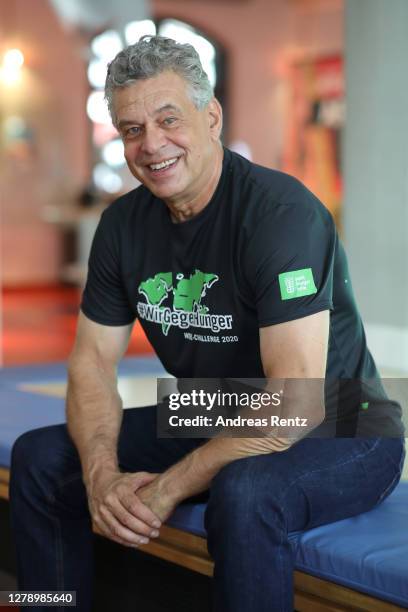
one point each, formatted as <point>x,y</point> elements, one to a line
<point>314,482</point>
<point>339,478</point>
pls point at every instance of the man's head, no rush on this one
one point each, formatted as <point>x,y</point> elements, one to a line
<point>151,56</point>
<point>164,108</point>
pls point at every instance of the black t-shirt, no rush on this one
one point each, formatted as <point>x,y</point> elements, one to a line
<point>263,251</point>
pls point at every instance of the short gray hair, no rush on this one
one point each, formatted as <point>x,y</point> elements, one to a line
<point>152,55</point>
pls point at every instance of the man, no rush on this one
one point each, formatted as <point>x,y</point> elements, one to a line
<point>254,259</point>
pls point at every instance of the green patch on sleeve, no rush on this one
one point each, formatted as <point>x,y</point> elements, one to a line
<point>297,283</point>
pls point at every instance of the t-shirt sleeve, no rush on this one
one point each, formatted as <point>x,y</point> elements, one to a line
<point>104,299</point>
<point>289,262</point>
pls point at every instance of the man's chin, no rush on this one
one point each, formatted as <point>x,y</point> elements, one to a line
<point>163,189</point>
<point>163,192</point>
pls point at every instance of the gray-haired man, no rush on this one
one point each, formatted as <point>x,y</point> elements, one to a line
<point>253,261</point>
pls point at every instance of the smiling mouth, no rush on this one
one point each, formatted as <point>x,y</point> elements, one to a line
<point>163,166</point>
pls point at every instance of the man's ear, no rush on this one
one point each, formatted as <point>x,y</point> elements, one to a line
<point>214,110</point>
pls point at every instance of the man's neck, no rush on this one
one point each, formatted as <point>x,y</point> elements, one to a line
<point>187,209</point>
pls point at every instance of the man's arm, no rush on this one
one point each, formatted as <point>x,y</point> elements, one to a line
<point>94,407</point>
<point>94,417</point>
<point>296,349</point>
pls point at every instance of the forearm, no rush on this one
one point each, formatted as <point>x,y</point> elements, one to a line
<point>94,416</point>
<point>303,401</point>
<point>194,473</point>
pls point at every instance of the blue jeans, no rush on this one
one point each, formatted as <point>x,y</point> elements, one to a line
<point>253,504</point>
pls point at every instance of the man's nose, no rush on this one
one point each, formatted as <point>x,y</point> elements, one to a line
<point>153,140</point>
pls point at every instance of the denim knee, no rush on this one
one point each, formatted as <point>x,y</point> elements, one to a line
<point>242,494</point>
<point>32,448</point>
<point>35,457</point>
<point>233,483</point>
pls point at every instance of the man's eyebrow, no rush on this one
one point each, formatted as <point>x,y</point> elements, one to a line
<point>166,107</point>
<point>125,122</point>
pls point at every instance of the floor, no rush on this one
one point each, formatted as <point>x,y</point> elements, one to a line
<point>39,325</point>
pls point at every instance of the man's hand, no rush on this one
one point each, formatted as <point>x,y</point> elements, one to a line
<point>119,512</point>
<point>155,497</point>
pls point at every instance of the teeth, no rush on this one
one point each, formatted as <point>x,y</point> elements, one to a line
<point>163,164</point>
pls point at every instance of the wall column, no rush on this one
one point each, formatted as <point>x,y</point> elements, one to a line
<point>376,172</point>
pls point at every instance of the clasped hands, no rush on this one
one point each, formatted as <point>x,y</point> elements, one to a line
<point>129,508</point>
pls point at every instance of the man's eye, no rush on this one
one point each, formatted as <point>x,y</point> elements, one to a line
<point>133,131</point>
<point>169,120</point>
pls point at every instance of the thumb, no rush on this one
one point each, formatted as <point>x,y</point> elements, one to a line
<point>143,478</point>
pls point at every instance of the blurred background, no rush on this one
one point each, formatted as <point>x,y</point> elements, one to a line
<point>316,88</point>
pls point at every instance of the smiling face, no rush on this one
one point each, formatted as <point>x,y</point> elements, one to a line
<point>169,145</point>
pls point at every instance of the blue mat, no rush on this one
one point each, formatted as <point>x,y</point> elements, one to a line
<point>21,411</point>
<point>11,377</point>
<point>367,553</point>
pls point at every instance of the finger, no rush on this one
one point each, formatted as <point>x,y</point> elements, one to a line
<point>140,479</point>
<point>118,530</point>
<point>134,505</point>
<point>131,519</point>
<point>104,530</point>
<point>115,530</point>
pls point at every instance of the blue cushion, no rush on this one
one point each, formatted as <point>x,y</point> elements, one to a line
<point>368,553</point>
<point>189,517</point>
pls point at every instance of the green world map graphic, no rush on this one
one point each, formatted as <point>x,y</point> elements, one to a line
<point>187,292</point>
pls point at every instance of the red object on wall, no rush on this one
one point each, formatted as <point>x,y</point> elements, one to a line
<point>39,326</point>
